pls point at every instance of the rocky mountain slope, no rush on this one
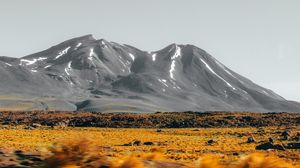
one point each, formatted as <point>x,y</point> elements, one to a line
<point>86,74</point>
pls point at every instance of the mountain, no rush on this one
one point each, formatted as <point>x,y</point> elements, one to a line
<point>86,74</point>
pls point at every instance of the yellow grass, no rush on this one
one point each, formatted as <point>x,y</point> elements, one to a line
<point>186,146</point>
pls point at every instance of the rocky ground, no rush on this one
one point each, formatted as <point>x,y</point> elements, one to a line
<point>154,120</point>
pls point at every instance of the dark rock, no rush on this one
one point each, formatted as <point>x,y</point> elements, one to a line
<point>26,163</point>
<point>297,137</point>
<point>35,159</point>
<point>285,133</point>
<point>251,139</point>
<point>235,154</point>
<point>149,143</point>
<point>136,143</point>
<point>18,152</point>
<point>292,146</point>
<point>271,140</point>
<point>269,145</point>
<point>279,147</point>
<point>264,146</point>
<point>210,142</point>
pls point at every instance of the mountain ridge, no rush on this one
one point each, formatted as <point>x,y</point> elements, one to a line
<point>86,74</point>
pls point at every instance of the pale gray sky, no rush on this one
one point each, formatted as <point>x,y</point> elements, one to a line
<point>256,38</point>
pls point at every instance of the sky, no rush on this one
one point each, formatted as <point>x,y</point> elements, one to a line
<point>258,39</point>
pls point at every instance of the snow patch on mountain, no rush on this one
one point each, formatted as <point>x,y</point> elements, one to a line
<point>69,68</point>
<point>177,54</point>
<point>63,52</point>
<point>132,56</point>
<point>77,46</point>
<point>30,62</point>
<point>154,57</point>
<point>48,66</point>
<point>164,82</point>
<point>210,69</point>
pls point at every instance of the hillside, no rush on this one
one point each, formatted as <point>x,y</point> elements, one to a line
<point>87,74</point>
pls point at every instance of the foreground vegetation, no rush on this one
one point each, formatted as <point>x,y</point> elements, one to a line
<point>124,147</point>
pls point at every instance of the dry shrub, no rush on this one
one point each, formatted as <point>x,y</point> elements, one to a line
<point>74,154</point>
<point>131,162</point>
<point>262,161</point>
<point>82,154</point>
<point>209,161</point>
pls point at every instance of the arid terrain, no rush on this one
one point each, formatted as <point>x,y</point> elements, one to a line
<point>150,120</point>
<point>40,139</point>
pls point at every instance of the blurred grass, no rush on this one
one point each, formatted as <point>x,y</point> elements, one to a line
<point>81,153</point>
<point>181,145</point>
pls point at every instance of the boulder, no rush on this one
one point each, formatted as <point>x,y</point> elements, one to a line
<point>251,139</point>
<point>294,145</point>
<point>136,143</point>
<point>269,145</point>
<point>210,142</point>
<point>265,146</point>
<point>297,137</point>
<point>149,143</point>
<point>279,147</point>
<point>285,135</point>
<point>271,140</point>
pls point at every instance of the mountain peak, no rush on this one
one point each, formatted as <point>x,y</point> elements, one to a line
<point>84,37</point>
<point>117,77</point>
<point>75,41</point>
